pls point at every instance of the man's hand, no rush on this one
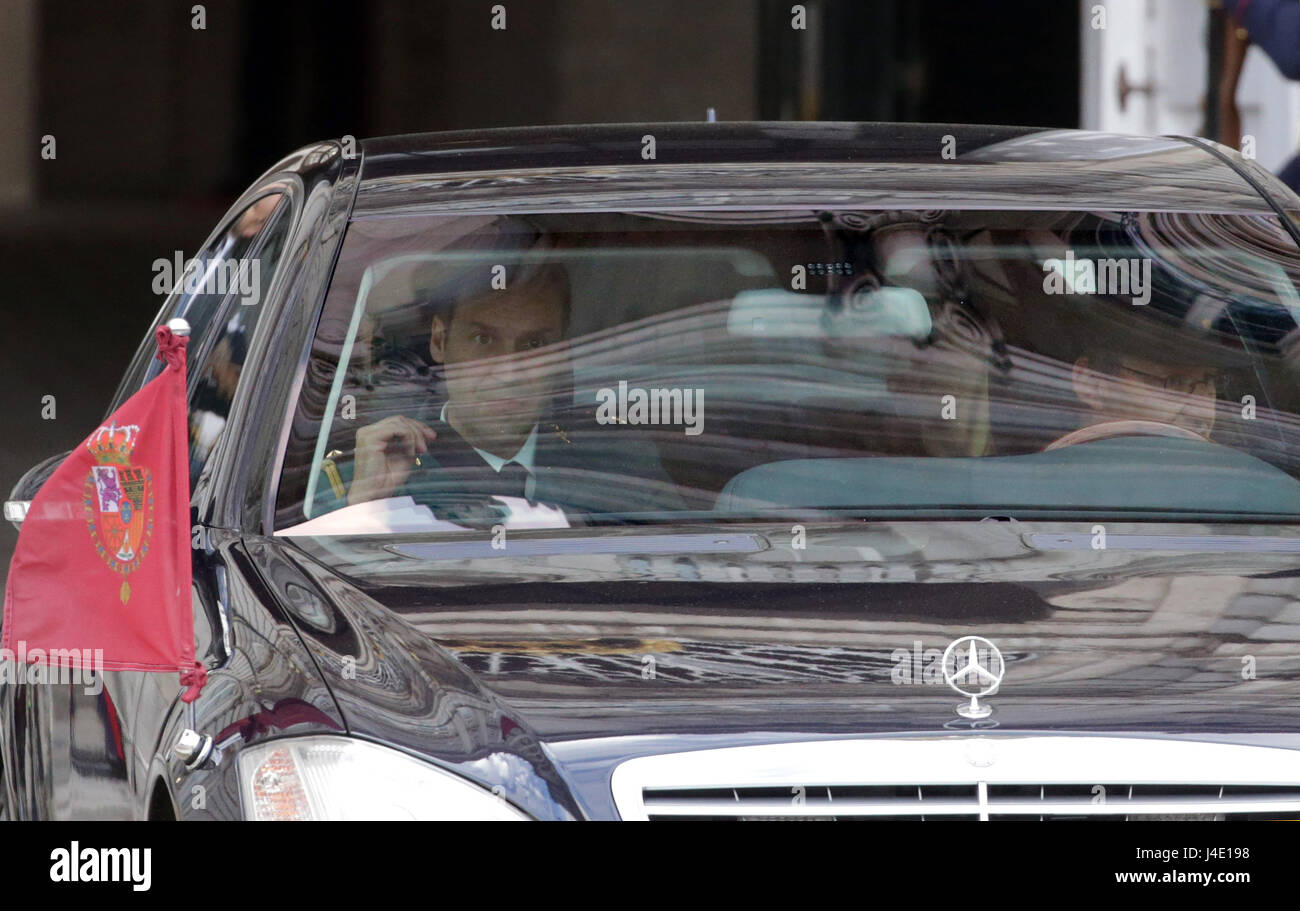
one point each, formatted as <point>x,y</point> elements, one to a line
<point>385,455</point>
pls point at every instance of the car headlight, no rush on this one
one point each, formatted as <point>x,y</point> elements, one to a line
<point>338,778</point>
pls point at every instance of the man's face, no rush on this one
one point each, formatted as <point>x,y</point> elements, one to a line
<point>1139,389</point>
<point>501,358</point>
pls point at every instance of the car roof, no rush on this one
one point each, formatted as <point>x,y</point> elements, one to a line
<point>875,165</point>
<point>609,143</point>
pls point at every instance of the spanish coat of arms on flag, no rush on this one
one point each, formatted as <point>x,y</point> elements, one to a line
<point>103,555</point>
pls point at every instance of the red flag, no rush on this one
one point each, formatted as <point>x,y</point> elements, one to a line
<point>103,555</point>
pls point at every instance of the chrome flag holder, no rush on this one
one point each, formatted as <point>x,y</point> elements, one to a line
<point>191,747</point>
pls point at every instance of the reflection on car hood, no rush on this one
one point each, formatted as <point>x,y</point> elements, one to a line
<point>1173,629</point>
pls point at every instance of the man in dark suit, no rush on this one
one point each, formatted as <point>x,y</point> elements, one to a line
<point>504,357</point>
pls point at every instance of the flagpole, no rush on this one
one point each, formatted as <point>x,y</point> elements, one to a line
<point>192,678</point>
<point>191,747</point>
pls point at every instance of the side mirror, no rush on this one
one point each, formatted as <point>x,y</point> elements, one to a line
<point>25,490</point>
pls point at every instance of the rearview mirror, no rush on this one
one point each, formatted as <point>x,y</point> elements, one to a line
<point>891,311</point>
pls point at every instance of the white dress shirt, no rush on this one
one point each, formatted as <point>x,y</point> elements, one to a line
<point>524,456</point>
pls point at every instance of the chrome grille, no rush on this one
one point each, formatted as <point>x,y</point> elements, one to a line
<point>955,778</point>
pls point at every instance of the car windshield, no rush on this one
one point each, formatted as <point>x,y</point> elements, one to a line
<point>608,368</point>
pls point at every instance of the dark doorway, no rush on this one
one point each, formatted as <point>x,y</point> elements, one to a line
<point>936,61</point>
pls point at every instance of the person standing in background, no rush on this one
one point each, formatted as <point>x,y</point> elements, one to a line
<point>1273,25</point>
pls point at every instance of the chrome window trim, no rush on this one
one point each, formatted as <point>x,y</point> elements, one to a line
<point>979,762</point>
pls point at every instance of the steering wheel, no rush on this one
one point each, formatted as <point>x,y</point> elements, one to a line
<point>1109,429</point>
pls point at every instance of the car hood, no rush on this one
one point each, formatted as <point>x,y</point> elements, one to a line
<point>578,649</point>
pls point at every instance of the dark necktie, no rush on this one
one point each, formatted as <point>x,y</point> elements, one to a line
<point>512,480</point>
